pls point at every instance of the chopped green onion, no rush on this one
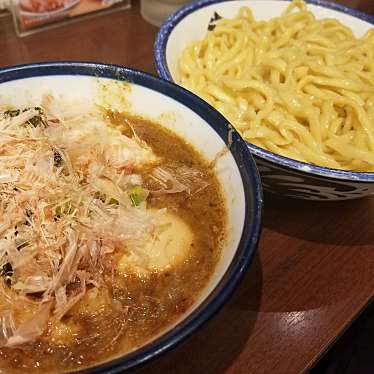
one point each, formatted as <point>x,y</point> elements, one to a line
<point>113,201</point>
<point>12,113</point>
<point>137,195</point>
<point>6,269</point>
<point>39,120</point>
<point>57,159</point>
<point>7,273</point>
<point>64,210</point>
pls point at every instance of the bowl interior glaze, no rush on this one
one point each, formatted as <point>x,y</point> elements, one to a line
<point>187,116</point>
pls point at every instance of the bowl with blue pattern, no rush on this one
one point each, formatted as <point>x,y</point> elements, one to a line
<point>280,175</point>
<point>186,115</point>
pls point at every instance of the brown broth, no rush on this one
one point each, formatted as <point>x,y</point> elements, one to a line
<point>134,310</point>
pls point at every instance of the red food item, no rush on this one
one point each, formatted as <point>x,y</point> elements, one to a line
<point>40,6</point>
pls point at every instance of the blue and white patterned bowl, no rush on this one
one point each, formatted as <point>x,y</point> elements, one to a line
<point>280,175</point>
<point>200,125</point>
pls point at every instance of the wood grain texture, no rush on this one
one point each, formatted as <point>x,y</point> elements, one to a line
<point>121,38</point>
<point>314,270</point>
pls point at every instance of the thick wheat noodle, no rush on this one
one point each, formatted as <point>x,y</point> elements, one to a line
<point>295,85</point>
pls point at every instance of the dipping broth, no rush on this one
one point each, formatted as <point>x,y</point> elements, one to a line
<point>111,227</point>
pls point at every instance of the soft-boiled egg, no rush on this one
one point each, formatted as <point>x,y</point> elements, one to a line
<point>168,247</point>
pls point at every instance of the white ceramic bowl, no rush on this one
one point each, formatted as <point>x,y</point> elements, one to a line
<point>188,116</point>
<point>156,11</point>
<point>279,174</point>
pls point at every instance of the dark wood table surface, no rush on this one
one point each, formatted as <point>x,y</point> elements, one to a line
<point>313,273</point>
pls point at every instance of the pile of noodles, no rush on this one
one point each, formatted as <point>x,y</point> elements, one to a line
<point>297,86</point>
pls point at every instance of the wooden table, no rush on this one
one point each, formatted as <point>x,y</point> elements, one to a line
<point>314,271</point>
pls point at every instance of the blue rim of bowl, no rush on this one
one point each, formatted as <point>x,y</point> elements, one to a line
<point>299,166</point>
<point>251,184</point>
